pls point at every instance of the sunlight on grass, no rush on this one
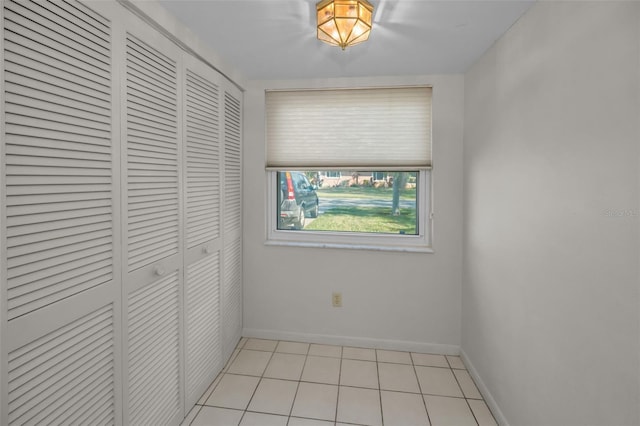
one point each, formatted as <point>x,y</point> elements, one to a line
<point>365,219</point>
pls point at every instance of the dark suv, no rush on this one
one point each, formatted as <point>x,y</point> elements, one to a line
<point>297,199</point>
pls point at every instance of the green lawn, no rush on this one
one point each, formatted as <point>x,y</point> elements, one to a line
<point>365,219</point>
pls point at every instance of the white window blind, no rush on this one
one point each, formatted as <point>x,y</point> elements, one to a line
<point>363,128</point>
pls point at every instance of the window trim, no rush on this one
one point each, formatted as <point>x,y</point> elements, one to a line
<point>421,243</point>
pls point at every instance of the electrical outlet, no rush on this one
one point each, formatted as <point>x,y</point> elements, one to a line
<point>336,300</point>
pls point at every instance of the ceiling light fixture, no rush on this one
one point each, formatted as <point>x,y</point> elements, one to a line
<point>344,22</point>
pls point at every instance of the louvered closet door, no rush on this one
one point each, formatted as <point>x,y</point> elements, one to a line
<point>202,160</point>
<point>59,226</point>
<point>152,208</point>
<point>232,229</point>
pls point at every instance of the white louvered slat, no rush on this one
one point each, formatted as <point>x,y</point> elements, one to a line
<point>30,82</point>
<point>154,352</point>
<point>90,21</point>
<point>232,295</point>
<point>58,153</point>
<point>83,39</point>
<point>67,106</point>
<point>202,160</point>
<point>203,340</point>
<point>232,163</point>
<point>67,374</point>
<point>43,107</point>
<point>152,155</point>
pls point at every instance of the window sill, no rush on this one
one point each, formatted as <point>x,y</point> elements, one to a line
<point>371,247</point>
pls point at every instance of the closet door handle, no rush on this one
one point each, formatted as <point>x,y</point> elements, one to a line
<point>206,250</point>
<point>159,270</point>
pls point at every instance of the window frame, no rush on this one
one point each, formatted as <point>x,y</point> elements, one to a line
<point>422,242</point>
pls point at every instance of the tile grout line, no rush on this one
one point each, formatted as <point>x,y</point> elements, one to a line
<point>244,413</point>
<point>346,386</point>
<point>220,375</point>
<point>295,395</point>
<point>379,386</point>
<point>335,417</point>
<point>465,397</point>
<point>194,417</point>
<point>424,402</point>
<point>464,394</point>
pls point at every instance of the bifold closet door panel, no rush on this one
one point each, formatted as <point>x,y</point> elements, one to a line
<point>201,114</point>
<point>66,376</point>
<point>58,153</point>
<point>231,308</point>
<point>232,219</point>
<point>202,213</point>
<point>152,153</point>
<point>152,233</point>
<point>232,161</point>
<point>154,395</point>
<point>60,279</point>
<point>203,329</point>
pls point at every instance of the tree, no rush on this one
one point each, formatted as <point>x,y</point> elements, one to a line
<point>356,177</point>
<point>313,177</point>
<point>399,182</point>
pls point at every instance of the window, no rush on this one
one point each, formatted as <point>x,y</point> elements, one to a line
<point>379,176</point>
<point>350,167</point>
<point>360,206</point>
<point>331,174</point>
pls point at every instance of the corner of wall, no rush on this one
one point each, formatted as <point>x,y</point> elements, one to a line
<point>484,390</point>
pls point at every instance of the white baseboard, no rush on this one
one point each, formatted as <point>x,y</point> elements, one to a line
<point>484,390</point>
<point>363,342</point>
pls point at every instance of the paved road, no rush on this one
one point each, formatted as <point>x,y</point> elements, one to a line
<point>330,203</point>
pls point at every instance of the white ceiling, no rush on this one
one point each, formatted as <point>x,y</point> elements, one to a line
<point>276,39</point>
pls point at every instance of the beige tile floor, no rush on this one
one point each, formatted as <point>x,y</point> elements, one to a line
<point>269,382</point>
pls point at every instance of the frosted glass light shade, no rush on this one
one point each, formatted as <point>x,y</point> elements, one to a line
<point>344,22</point>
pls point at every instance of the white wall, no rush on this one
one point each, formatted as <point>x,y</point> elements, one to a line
<point>550,286</point>
<point>401,300</point>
